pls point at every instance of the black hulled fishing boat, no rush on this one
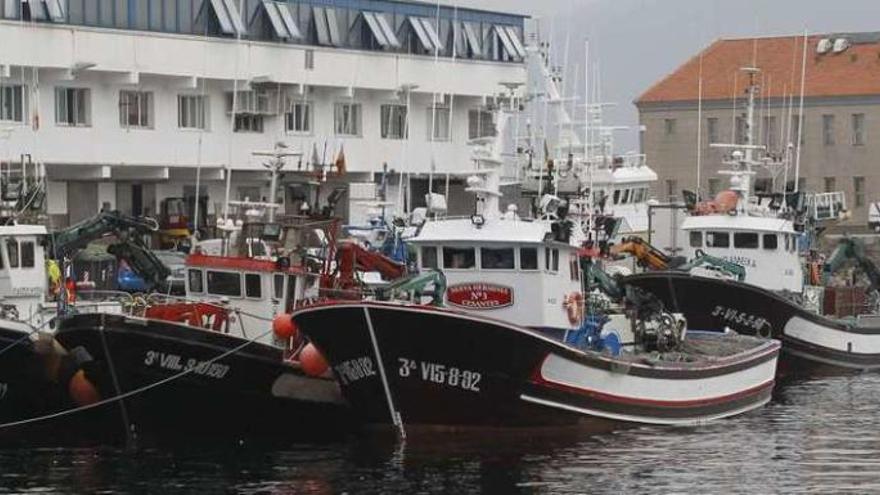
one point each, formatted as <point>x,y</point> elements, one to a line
<point>512,346</point>
<point>819,329</point>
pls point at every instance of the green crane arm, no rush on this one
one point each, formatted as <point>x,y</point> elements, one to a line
<point>703,259</point>
<point>853,249</point>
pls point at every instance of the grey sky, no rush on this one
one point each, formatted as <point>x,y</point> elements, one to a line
<point>636,42</point>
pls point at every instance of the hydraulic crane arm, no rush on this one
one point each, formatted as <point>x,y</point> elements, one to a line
<point>64,242</point>
<point>646,254</point>
<point>352,257</point>
<point>852,249</point>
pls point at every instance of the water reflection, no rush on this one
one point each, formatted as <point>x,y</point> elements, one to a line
<point>817,436</point>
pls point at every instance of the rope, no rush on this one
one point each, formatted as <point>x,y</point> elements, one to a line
<point>24,337</point>
<point>130,393</point>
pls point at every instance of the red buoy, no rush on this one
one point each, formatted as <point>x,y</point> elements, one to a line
<point>81,390</point>
<point>312,362</point>
<point>284,327</point>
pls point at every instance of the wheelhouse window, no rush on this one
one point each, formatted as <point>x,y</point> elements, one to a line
<point>429,257</point>
<point>278,285</point>
<point>696,239</point>
<point>496,258</point>
<point>574,267</point>
<point>771,241</point>
<point>253,285</point>
<point>745,240</point>
<point>224,283</point>
<point>528,258</point>
<point>393,122</point>
<point>12,252</point>
<point>551,260</point>
<point>27,254</point>
<point>72,107</point>
<point>136,109</point>
<point>195,281</point>
<point>717,239</point>
<point>459,258</point>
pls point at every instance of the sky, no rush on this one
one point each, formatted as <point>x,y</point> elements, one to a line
<point>637,42</point>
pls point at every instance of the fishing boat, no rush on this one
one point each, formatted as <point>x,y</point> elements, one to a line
<point>782,294</point>
<point>219,362</point>
<point>511,345</point>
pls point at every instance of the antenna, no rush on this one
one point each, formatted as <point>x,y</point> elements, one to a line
<point>797,161</point>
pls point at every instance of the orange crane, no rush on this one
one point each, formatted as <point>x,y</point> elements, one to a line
<point>352,257</point>
<point>646,254</point>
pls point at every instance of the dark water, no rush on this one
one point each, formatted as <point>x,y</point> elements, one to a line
<point>819,436</point>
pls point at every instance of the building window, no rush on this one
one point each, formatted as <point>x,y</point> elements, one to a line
<point>136,109</point>
<point>739,136</point>
<point>830,184</point>
<point>714,187</point>
<point>769,132</point>
<point>858,129</point>
<point>828,130</point>
<point>393,122</point>
<point>12,105</point>
<point>671,188</point>
<point>310,59</point>
<point>712,130</point>
<point>480,124</point>
<point>669,126</point>
<point>859,191</point>
<point>248,122</point>
<point>438,122</point>
<point>192,112</point>
<point>347,119</point>
<point>72,107</point>
<point>797,130</point>
<point>298,119</point>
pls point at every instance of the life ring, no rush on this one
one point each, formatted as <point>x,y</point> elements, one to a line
<point>574,307</point>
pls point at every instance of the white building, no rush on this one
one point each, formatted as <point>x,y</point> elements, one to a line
<point>124,100</point>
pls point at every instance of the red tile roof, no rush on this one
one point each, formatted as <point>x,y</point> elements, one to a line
<point>855,71</point>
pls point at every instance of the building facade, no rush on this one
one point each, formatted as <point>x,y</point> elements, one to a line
<point>128,102</point>
<point>839,128</point>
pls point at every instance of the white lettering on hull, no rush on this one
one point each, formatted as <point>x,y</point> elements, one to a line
<point>175,362</point>
<point>355,369</point>
<point>441,374</point>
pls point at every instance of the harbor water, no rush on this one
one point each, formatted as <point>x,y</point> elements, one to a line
<point>817,436</point>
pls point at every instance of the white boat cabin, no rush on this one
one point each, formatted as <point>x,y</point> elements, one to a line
<point>504,268</point>
<point>23,280</point>
<point>765,246</point>
<point>255,287</point>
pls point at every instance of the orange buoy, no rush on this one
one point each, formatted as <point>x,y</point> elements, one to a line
<point>312,361</point>
<point>284,327</point>
<point>81,390</point>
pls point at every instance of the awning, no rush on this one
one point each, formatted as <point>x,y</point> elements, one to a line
<point>326,26</point>
<point>281,20</point>
<point>470,35</point>
<point>228,17</point>
<point>381,29</point>
<point>426,33</point>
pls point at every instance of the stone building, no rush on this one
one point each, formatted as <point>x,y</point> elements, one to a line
<point>840,135</point>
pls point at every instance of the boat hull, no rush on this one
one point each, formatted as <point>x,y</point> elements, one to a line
<point>811,342</point>
<point>250,393</point>
<point>439,367</point>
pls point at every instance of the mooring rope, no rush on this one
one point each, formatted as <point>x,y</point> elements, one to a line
<point>25,336</point>
<point>134,392</point>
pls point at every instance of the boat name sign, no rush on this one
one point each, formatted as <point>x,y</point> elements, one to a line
<point>440,374</point>
<point>479,295</point>
<point>176,362</point>
<point>355,369</point>
<point>738,317</point>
